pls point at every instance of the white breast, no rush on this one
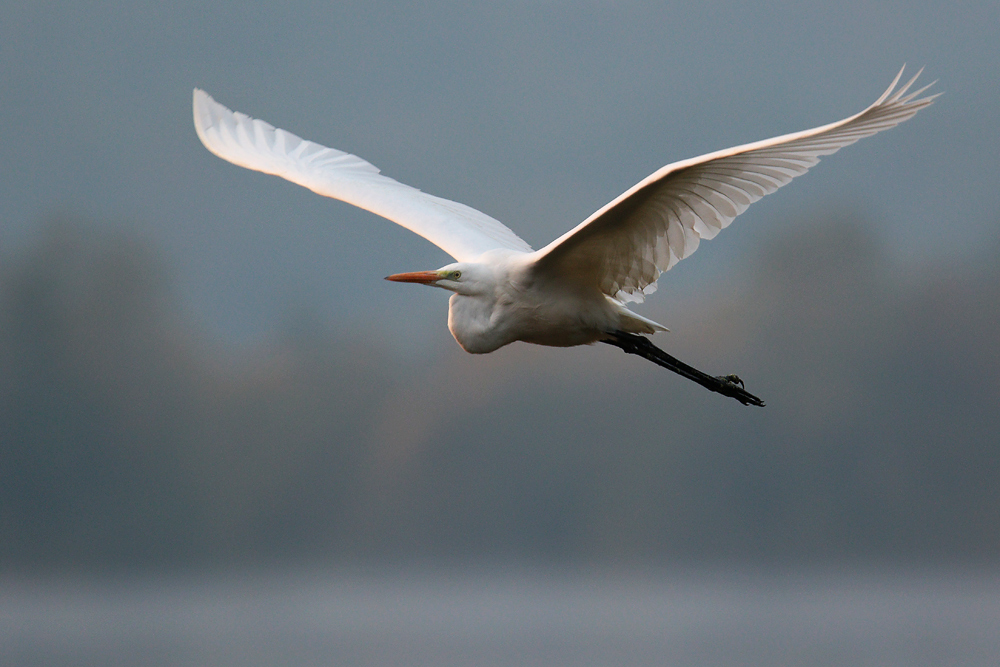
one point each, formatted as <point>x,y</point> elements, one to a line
<point>555,318</point>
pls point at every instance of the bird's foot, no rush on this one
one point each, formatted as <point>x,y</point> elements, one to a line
<point>733,386</point>
<point>733,379</point>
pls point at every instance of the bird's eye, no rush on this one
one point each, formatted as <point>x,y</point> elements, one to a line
<point>455,275</point>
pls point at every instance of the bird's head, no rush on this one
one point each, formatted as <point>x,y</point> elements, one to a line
<point>468,279</point>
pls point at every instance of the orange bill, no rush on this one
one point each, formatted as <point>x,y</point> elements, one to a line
<point>425,277</point>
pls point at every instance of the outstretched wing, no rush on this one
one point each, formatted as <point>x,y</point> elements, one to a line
<point>625,246</point>
<point>461,231</point>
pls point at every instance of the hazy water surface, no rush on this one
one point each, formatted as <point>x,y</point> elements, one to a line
<point>484,618</point>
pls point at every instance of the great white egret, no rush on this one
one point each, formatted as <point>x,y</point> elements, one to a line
<point>573,291</point>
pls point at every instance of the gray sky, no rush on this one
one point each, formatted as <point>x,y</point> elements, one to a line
<point>536,113</point>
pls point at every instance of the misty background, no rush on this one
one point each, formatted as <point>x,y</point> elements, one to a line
<point>202,370</point>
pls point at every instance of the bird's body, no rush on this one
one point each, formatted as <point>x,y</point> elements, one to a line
<point>573,291</point>
<point>501,298</point>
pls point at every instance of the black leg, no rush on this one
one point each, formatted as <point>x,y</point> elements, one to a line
<point>729,385</point>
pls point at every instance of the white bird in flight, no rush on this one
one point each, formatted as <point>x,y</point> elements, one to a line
<point>573,291</point>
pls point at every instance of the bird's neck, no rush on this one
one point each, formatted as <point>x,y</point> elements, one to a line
<point>471,322</point>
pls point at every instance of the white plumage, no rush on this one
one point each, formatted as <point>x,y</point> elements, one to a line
<point>459,230</point>
<point>660,220</point>
<point>571,291</point>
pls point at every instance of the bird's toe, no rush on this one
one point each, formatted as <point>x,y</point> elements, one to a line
<point>733,379</point>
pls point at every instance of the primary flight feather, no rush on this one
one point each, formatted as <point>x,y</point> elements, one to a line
<point>570,292</point>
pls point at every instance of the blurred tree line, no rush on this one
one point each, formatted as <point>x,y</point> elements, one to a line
<point>127,439</point>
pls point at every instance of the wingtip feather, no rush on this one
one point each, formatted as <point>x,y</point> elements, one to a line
<point>200,105</point>
<point>892,86</point>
